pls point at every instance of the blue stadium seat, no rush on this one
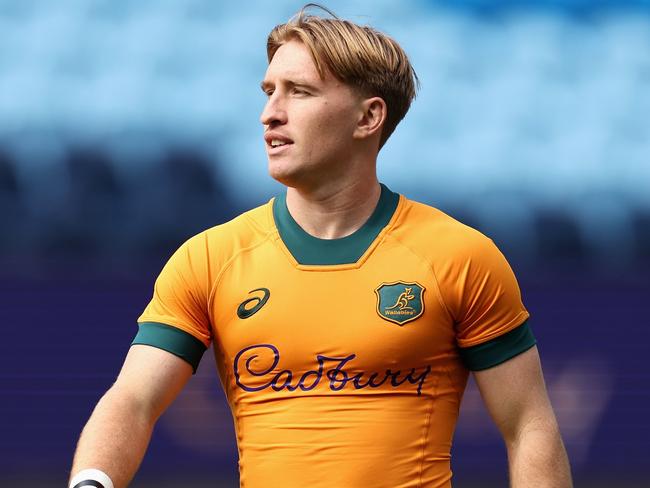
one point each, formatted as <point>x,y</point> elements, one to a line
<point>532,105</point>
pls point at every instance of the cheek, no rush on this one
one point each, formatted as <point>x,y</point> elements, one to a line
<point>336,125</point>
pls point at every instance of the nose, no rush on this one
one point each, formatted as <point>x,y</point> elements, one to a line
<point>274,112</point>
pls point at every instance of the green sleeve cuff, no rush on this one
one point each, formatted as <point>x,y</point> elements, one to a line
<point>499,349</point>
<point>171,339</point>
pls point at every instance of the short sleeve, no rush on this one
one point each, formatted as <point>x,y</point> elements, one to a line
<point>181,293</point>
<point>480,291</point>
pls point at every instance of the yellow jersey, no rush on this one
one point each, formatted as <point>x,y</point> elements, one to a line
<point>344,361</point>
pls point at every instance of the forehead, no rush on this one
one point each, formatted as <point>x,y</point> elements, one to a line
<point>293,61</point>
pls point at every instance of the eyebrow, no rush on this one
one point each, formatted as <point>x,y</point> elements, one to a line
<point>264,85</point>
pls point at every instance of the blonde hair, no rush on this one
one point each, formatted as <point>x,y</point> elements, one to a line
<point>359,56</point>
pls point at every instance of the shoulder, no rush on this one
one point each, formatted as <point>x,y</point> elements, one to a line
<point>205,254</point>
<point>244,231</point>
<point>475,281</point>
<point>434,233</point>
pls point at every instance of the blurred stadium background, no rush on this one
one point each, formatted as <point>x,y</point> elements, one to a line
<point>126,126</point>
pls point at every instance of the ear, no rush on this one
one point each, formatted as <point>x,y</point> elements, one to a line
<point>371,119</point>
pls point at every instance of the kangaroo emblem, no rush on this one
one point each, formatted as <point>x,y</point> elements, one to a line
<point>400,302</point>
<point>403,300</point>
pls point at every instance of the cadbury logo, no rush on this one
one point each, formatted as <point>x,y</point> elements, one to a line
<point>330,370</point>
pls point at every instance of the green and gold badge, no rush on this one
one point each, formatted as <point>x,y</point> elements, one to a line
<point>400,302</point>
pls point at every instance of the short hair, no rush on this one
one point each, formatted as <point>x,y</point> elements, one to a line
<point>357,55</point>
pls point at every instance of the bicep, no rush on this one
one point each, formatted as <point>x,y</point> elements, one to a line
<point>154,376</point>
<point>514,393</point>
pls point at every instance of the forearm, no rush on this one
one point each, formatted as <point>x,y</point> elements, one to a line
<point>537,458</point>
<point>115,438</point>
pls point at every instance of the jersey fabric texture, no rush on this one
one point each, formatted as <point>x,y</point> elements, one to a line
<point>344,361</point>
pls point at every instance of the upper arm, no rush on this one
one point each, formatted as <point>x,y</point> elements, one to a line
<point>515,394</point>
<point>152,376</point>
<point>181,295</point>
<point>479,290</point>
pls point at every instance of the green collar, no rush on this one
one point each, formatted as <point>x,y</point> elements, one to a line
<point>310,250</point>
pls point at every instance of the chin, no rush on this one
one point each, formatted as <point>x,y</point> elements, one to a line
<point>284,173</point>
<point>281,174</point>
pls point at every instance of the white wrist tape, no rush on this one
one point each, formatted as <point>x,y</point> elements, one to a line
<point>91,478</point>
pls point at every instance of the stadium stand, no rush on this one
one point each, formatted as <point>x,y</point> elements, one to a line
<point>121,119</point>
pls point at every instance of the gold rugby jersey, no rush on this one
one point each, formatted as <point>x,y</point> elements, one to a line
<point>344,361</point>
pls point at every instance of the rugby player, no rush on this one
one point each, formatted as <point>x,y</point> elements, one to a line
<point>345,317</point>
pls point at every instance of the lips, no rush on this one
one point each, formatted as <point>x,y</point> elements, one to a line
<point>278,150</point>
<point>275,142</point>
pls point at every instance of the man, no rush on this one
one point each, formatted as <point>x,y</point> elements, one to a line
<point>345,318</point>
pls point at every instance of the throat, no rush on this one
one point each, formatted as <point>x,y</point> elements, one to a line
<point>324,240</point>
<point>336,216</point>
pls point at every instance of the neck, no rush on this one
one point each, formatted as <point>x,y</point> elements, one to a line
<point>336,210</point>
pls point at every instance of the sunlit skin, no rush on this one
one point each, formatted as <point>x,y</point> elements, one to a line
<point>331,140</point>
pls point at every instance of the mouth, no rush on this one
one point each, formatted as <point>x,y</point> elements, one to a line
<point>276,145</point>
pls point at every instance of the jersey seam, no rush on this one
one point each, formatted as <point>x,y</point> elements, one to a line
<point>438,293</point>
<point>230,391</point>
<point>222,358</point>
<point>211,298</point>
<point>254,223</point>
<point>425,429</point>
<point>213,291</point>
<point>212,286</point>
<point>226,266</point>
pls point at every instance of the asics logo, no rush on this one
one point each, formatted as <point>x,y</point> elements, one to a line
<point>251,306</point>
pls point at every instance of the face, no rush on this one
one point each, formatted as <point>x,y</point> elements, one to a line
<point>308,121</point>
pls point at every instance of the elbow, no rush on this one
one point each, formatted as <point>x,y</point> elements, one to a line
<point>129,404</point>
<point>537,427</point>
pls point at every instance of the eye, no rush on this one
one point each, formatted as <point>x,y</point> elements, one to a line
<point>300,91</point>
